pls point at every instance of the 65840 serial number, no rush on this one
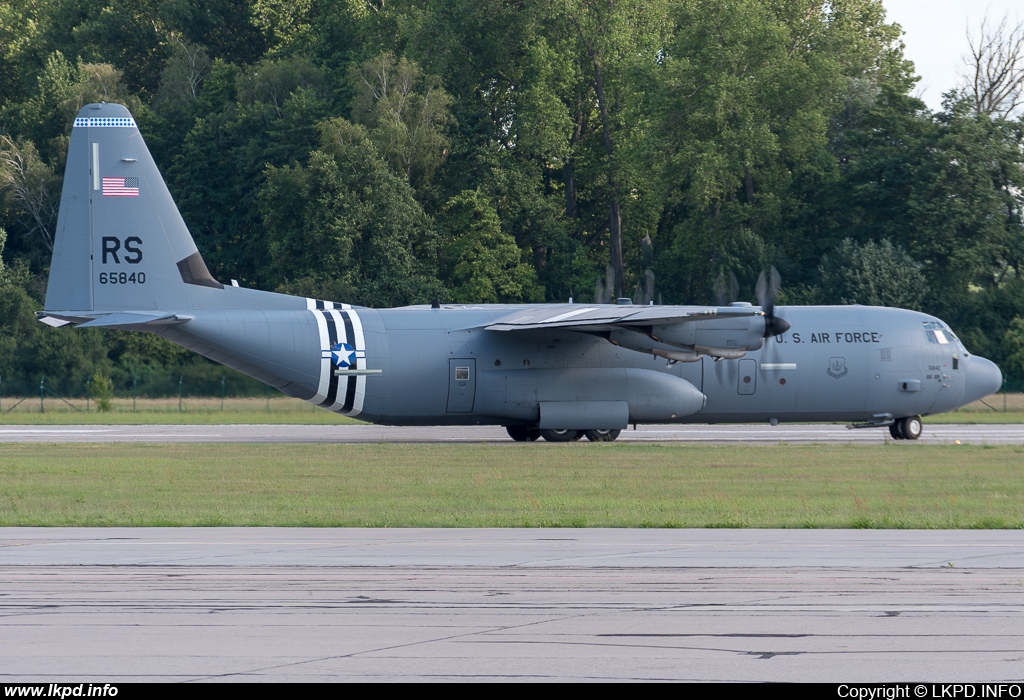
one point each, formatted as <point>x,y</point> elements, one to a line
<point>122,278</point>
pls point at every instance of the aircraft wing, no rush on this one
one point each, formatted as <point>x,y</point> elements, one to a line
<point>605,316</point>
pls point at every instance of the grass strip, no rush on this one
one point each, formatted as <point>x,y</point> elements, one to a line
<point>278,410</point>
<point>533,485</point>
<point>997,409</point>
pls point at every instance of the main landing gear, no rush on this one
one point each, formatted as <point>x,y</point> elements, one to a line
<point>560,435</point>
<point>908,428</point>
<point>601,435</point>
<point>523,433</point>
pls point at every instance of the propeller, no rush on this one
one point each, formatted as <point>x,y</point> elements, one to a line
<point>720,290</point>
<point>767,290</point>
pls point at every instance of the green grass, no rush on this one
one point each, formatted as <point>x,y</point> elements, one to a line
<point>998,408</point>
<point>283,410</point>
<point>191,411</point>
<point>961,418</point>
<point>510,485</point>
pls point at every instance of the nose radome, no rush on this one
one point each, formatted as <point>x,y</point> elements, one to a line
<point>983,378</point>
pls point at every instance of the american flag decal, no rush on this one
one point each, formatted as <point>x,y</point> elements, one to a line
<point>120,187</point>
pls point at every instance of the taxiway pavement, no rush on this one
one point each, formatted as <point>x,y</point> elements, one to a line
<point>722,434</point>
<point>259,604</point>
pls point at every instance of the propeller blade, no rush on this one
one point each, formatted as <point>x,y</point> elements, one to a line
<point>724,296</point>
<point>767,290</point>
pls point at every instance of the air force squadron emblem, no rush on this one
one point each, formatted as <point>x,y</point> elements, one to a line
<point>837,368</point>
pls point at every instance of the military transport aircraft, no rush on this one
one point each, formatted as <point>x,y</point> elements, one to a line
<point>124,259</point>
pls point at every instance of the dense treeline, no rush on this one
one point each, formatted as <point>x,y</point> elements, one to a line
<point>495,151</point>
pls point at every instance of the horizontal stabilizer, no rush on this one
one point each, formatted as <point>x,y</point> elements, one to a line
<point>115,320</point>
<point>130,318</point>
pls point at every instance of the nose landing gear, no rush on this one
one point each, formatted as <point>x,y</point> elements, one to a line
<point>908,428</point>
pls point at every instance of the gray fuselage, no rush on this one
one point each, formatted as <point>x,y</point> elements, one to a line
<point>439,366</point>
<point>123,258</point>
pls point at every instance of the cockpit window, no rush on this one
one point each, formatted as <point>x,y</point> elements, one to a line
<point>937,333</point>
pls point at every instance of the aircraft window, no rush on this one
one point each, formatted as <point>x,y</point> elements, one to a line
<point>461,374</point>
<point>956,362</point>
<point>943,335</point>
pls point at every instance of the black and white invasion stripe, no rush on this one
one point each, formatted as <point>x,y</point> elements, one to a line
<point>338,323</point>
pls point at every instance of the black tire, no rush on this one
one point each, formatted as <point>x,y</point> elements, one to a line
<point>911,427</point>
<point>601,435</point>
<point>894,430</point>
<point>522,433</point>
<point>560,435</point>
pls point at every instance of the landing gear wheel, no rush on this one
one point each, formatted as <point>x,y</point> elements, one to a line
<point>601,435</point>
<point>522,433</point>
<point>894,430</point>
<point>911,427</point>
<point>560,435</point>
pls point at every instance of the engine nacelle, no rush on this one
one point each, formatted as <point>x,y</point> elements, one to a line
<point>735,334</point>
<point>723,338</point>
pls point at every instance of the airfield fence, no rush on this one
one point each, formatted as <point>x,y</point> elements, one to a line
<point>47,393</point>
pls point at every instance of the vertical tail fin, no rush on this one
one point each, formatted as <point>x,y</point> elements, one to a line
<point>121,243</point>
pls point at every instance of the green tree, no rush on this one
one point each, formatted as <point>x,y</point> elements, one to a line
<point>745,100</point>
<point>30,188</point>
<point>102,390</point>
<point>226,28</point>
<point>946,187</point>
<point>405,112</point>
<point>874,274</point>
<point>608,40</point>
<point>1013,349</point>
<point>132,35</point>
<point>272,82</point>
<point>346,228</point>
<point>516,90</point>
<point>184,74</point>
<point>479,262</point>
<point>17,30</point>
<point>283,23</point>
<point>218,171</point>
